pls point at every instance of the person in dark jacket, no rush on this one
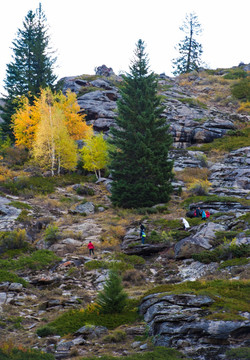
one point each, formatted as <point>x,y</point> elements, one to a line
<point>198,212</point>
<point>142,228</point>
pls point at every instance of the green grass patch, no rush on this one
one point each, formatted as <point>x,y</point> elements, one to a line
<point>246,218</point>
<point>37,260</point>
<point>130,259</point>
<point>24,354</point>
<point>42,185</point>
<point>159,353</point>
<point>20,205</point>
<point>242,353</point>
<point>227,143</point>
<point>6,275</point>
<point>117,265</point>
<point>237,73</point>
<point>234,262</point>
<point>87,89</point>
<point>230,297</point>
<point>165,224</point>
<point>224,236</point>
<point>73,320</point>
<point>223,252</point>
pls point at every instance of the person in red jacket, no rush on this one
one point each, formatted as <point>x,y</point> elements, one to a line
<point>91,248</point>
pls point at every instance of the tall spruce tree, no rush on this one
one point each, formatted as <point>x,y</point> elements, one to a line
<point>140,167</point>
<point>189,48</point>
<point>31,67</point>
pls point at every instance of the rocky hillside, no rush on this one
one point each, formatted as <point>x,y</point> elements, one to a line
<point>191,286</point>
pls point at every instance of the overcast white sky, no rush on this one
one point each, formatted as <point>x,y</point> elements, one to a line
<point>90,33</point>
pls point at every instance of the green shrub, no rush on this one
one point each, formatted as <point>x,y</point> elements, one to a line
<point>20,205</point>
<point>6,275</point>
<point>235,74</point>
<point>37,260</point>
<point>223,252</point>
<point>168,224</point>
<point>224,236</point>
<point>73,320</point>
<point>154,237</point>
<point>116,337</point>
<point>86,89</point>
<point>130,259</point>
<point>242,353</point>
<point>226,143</point>
<point>117,265</point>
<point>83,190</point>
<point>24,217</point>
<point>96,264</point>
<point>234,262</point>
<point>24,354</point>
<point>46,331</point>
<point>16,239</point>
<point>51,234</point>
<point>246,218</point>
<point>241,90</point>
<point>41,185</point>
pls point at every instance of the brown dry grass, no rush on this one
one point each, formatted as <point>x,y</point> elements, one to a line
<point>188,175</point>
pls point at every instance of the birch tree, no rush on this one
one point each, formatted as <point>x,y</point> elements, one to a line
<point>53,148</point>
<point>95,154</point>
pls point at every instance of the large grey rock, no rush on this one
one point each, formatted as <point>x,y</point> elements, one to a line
<point>86,208</point>
<point>8,214</point>
<point>178,321</point>
<point>198,242</point>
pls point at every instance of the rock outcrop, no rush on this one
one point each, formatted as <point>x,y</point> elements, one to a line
<point>179,321</point>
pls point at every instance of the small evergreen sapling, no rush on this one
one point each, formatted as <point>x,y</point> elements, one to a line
<point>113,298</point>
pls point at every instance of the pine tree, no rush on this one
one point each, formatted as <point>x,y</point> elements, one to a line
<point>189,49</point>
<point>113,298</point>
<point>140,167</point>
<point>31,67</point>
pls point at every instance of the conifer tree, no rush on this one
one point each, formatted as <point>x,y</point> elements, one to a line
<point>113,298</point>
<point>31,67</point>
<point>140,167</point>
<point>190,49</point>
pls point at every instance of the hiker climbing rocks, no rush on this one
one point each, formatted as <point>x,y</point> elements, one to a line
<point>142,228</point>
<point>185,223</point>
<point>91,248</point>
<point>203,215</point>
<point>143,237</point>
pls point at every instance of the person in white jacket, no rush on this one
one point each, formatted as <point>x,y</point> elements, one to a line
<point>185,223</point>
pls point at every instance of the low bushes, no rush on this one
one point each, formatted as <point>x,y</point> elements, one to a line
<point>35,261</point>
<point>227,143</point>
<point>30,186</point>
<point>73,320</point>
<point>16,239</point>
<point>223,252</point>
<point>24,354</point>
<point>242,353</point>
<point>6,275</point>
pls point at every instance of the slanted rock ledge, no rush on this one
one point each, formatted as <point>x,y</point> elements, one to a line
<point>179,321</point>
